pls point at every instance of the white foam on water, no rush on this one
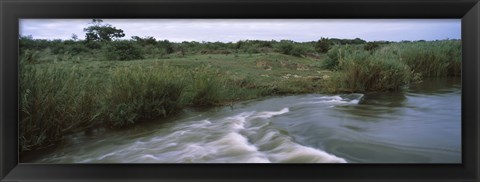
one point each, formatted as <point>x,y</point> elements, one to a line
<point>354,101</point>
<point>106,155</point>
<point>279,147</point>
<point>336,99</point>
<point>234,144</point>
<point>148,157</point>
<point>269,114</point>
<point>300,154</point>
<point>248,137</point>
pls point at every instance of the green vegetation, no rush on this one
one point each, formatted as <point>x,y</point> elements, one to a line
<point>123,50</point>
<point>362,71</point>
<point>431,59</point>
<point>101,32</point>
<point>71,86</point>
<point>323,45</point>
<point>371,46</point>
<point>290,48</point>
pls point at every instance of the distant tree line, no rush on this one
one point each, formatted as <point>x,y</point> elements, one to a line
<point>107,39</point>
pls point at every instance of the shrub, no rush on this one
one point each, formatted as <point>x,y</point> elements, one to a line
<point>92,44</point>
<point>290,48</point>
<point>323,45</point>
<point>335,53</point>
<point>371,46</point>
<point>123,50</point>
<point>56,46</point>
<point>77,48</point>
<point>252,50</point>
<point>361,71</point>
<point>166,45</point>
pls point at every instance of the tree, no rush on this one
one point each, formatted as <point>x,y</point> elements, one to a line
<point>102,32</point>
<point>74,37</point>
<point>165,45</point>
<point>323,45</point>
<point>145,41</point>
<point>358,41</point>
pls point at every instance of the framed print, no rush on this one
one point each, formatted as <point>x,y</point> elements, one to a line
<point>239,90</point>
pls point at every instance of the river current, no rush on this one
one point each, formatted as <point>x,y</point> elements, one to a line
<point>421,125</point>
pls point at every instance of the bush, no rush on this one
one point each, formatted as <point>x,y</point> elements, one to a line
<point>252,50</point>
<point>77,48</point>
<point>92,44</point>
<point>335,53</point>
<point>362,71</point>
<point>28,43</point>
<point>371,46</point>
<point>123,50</point>
<point>290,48</point>
<point>323,45</point>
<point>166,45</point>
<point>57,46</point>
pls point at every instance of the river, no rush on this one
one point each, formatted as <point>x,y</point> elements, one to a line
<point>421,125</point>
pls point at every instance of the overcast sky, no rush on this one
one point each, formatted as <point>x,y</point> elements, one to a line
<point>226,30</point>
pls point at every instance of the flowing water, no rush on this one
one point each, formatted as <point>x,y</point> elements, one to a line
<point>422,125</point>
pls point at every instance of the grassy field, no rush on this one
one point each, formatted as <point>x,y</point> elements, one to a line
<point>77,88</point>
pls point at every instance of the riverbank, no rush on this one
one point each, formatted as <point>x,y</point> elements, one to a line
<point>303,128</point>
<point>68,95</point>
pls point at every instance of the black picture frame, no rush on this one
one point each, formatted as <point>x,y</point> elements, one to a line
<point>11,11</point>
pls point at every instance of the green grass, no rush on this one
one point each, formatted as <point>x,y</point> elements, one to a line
<point>55,100</point>
<point>136,93</point>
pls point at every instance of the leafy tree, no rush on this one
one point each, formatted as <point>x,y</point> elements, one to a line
<point>145,41</point>
<point>102,32</point>
<point>239,44</point>
<point>358,41</point>
<point>74,37</point>
<point>165,45</point>
<point>347,41</point>
<point>323,45</point>
<point>26,42</point>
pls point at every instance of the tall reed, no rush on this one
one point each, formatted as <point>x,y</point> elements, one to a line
<point>362,71</point>
<point>135,93</point>
<point>55,100</point>
<point>432,59</point>
<point>58,99</point>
